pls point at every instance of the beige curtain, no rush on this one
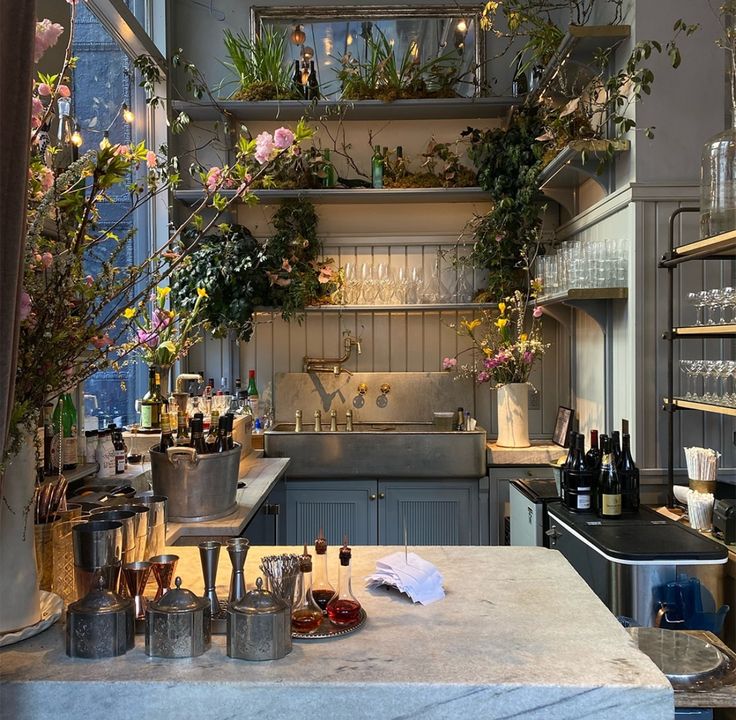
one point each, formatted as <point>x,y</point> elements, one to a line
<point>17,33</point>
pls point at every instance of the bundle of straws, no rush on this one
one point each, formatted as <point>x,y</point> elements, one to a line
<point>700,509</point>
<point>701,463</point>
<point>282,572</point>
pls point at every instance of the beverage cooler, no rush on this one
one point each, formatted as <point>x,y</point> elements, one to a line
<point>645,568</point>
<point>528,499</point>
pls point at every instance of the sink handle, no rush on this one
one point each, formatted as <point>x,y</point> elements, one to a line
<point>385,389</point>
<point>362,389</point>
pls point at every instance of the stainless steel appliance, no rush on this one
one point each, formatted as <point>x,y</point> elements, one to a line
<point>629,562</point>
<point>528,498</point>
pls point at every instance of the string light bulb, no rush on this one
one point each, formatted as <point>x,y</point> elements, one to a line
<point>462,26</point>
<point>76,139</point>
<point>105,142</point>
<point>298,36</point>
<point>128,115</point>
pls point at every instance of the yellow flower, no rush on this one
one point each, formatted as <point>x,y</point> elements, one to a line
<point>488,351</point>
<point>502,307</point>
<point>128,313</point>
<point>201,292</point>
<point>501,323</point>
<point>168,345</point>
<point>470,326</point>
<point>523,337</point>
<point>162,292</point>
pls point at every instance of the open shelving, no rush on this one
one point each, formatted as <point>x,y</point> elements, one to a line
<point>716,247</point>
<point>703,331</point>
<point>582,294</point>
<point>716,408</point>
<point>407,307</point>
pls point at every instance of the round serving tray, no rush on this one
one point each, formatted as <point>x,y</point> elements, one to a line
<point>327,630</point>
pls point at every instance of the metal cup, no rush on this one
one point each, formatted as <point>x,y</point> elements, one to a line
<point>98,546</point>
<point>157,504</point>
<point>141,527</point>
<point>136,576</point>
<point>164,567</point>
<point>128,520</point>
<point>237,548</point>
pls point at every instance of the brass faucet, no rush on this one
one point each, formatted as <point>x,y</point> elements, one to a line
<point>334,365</point>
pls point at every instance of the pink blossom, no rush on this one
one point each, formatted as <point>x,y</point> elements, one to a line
<point>120,150</point>
<point>151,159</point>
<point>483,376</point>
<point>47,259</point>
<point>283,138</point>
<point>36,106</point>
<point>89,280</point>
<point>285,265</point>
<point>46,178</point>
<point>35,122</point>
<point>24,310</point>
<point>325,274</point>
<point>528,357</point>
<point>264,148</point>
<point>101,341</point>
<point>44,89</point>
<point>64,91</point>
<point>214,177</point>
<point>161,319</point>
<point>449,363</point>
<point>47,33</point>
<point>537,312</point>
<point>147,338</point>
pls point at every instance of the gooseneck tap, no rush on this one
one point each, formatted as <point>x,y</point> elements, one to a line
<point>334,365</point>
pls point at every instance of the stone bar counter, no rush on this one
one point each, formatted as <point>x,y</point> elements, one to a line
<point>518,635</point>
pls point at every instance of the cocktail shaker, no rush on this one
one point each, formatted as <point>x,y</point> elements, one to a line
<point>237,548</point>
<point>209,554</point>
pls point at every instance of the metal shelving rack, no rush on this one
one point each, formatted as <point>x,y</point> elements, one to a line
<point>717,247</point>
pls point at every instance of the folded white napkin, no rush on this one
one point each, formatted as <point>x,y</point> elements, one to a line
<point>410,574</point>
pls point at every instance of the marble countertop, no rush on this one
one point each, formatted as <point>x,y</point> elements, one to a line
<point>519,635</point>
<point>540,453</point>
<point>259,475</point>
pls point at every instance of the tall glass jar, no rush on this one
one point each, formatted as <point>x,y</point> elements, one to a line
<point>718,184</point>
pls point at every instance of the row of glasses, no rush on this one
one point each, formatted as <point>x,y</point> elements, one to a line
<point>714,307</point>
<point>711,381</point>
<point>584,263</point>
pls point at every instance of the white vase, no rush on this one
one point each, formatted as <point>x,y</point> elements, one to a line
<point>513,415</point>
<point>21,604</point>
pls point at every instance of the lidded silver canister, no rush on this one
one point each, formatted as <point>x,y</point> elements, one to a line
<point>258,626</point>
<point>178,625</point>
<point>100,625</point>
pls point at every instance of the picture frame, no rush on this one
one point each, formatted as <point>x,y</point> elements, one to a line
<point>563,424</point>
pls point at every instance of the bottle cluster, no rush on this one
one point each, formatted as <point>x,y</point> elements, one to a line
<point>605,479</point>
<point>218,438</point>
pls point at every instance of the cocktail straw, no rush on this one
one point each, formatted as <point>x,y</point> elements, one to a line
<point>701,463</point>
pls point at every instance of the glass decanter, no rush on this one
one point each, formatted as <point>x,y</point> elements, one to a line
<point>306,615</point>
<point>344,608</point>
<point>322,590</point>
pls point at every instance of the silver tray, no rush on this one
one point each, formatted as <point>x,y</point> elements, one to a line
<point>327,630</point>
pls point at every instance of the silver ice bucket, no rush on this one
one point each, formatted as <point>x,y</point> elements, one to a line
<point>198,487</point>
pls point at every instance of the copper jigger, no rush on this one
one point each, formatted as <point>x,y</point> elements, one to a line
<point>163,567</point>
<point>136,576</point>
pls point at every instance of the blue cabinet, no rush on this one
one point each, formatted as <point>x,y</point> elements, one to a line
<point>370,512</point>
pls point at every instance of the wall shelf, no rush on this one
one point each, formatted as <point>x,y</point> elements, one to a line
<point>358,196</point>
<point>702,331</point>
<point>685,404</point>
<point>422,109</point>
<point>717,247</point>
<point>578,162</point>
<point>584,294</point>
<point>417,307</point>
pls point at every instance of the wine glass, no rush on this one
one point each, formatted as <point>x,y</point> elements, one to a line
<point>697,300</point>
<point>369,287</point>
<point>384,288</point>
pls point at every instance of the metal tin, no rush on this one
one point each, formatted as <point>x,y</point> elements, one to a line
<point>178,625</point>
<point>100,625</point>
<point>258,626</point>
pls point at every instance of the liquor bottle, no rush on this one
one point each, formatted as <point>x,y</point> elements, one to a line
<point>580,479</point>
<point>167,437</point>
<point>253,393</point>
<point>593,456</point>
<point>322,590</point>
<point>50,466</point>
<point>377,168</point>
<point>519,85</point>
<point>312,83</point>
<point>119,444</point>
<point>616,447</point>
<point>400,169</point>
<point>629,475</point>
<point>609,485</point>
<point>182,435</point>
<point>306,615</point>
<point>330,174</point>
<point>152,403</point>
<point>65,431</point>
<point>197,441</point>
<point>296,79</point>
<point>344,608</point>
<point>211,439</point>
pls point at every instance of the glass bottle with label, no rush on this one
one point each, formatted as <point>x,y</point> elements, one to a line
<point>229,442</point>
<point>167,436</point>
<point>119,445</point>
<point>377,167</point>
<point>629,476</point>
<point>253,393</point>
<point>322,590</point>
<point>306,615</point>
<point>344,608</point>
<point>65,431</point>
<point>197,441</point>
<point>580,479</point>
<point>211,439</point>
<point>152,403</point>
<point>330,174</point>
<point>182,434</point>
<point>221,434</point>
<point>609,485</point>
<point>312,82</point>
<point>105,455</point>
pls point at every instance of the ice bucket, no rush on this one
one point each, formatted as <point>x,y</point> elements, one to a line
<point>198,487</point>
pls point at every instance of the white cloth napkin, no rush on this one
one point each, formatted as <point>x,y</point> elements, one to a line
<point>409,574</point>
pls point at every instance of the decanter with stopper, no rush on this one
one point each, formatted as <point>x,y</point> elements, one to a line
<point>322,590</point>
<point>344,608</point>
<point>306,615</point>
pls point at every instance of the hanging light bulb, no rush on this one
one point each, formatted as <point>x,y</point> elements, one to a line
<point>128,114</point>
<point>76,138</point>
<point>105,142</point>
<point>349,39</point>
<point>297,35</point>
<point>307,53</point>
<point>462,26</point>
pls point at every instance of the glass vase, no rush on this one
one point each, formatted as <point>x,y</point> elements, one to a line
<point>718,185</point>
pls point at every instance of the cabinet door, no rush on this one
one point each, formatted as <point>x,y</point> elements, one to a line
<point>436,512</point>
<point>268,526</point>
<point>339,507</point>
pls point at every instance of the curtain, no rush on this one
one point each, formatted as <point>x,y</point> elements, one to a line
<point>17,34</point>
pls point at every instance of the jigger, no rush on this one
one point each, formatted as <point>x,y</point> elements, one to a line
<point>237,548</point>
<point>209,554</point>
<point>163,567</point>
<point>136,577</point>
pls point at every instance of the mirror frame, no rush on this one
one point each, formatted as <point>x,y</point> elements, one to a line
<point>312,13</point>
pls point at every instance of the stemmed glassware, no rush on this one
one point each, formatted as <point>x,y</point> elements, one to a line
<point>715,375</point>
<point>714,303</point>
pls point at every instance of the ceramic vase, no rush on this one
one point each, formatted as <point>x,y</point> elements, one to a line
<point>21,602</point>
<point>513,415</point>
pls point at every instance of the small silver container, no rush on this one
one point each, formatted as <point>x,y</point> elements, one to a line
<point>178,625</point>
<point>100,625</point>
<point>258,626</point>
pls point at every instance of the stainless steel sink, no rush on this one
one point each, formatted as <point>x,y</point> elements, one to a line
<point>379,450</point>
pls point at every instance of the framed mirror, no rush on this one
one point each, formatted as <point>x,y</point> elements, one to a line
<point>379,52</point>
